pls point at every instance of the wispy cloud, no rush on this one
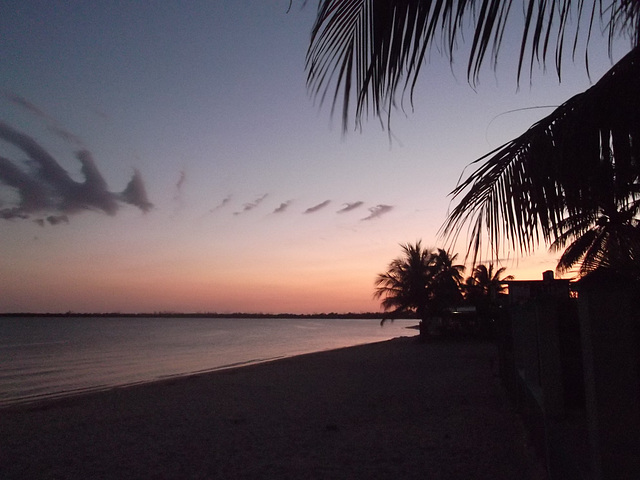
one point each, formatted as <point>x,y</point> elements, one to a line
<point>27,105</point>
<point>378,211</point>
<point>135,193</point>
<point>350,206</point>
<point>52,124</point>
<point>251,205</point>
<point>177,196</point>
<point>225,201</point>
<point>65,135</point>
<point>45,188</point>
<point>283,207</point>
<point>317,207</point>
<point>180,182</point>
<point>56,219</point>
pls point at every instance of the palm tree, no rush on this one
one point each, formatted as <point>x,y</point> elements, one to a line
<point>420,282</point>
<point>531,188</point>
<point>403,287</point>
<point>481,290</point>
<point>444,288</point>
<point>483,281</point>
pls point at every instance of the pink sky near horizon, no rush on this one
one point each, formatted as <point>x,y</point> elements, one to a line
<point>249,179</point>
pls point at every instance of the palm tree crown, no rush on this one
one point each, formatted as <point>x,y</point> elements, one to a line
<point>420,281</point>
<point>612,241</point>
<point>403,287</point>
<point>484,281</point>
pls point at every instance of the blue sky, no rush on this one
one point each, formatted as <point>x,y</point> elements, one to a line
<point>260,204</point>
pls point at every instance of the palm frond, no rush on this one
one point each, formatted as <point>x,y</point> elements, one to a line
<point>576,251</point>
<point>366,50</point>
<point>524,191</point>
<point>613,243</point>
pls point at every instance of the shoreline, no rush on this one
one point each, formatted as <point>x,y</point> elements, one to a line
<point>68,394</point>
<point>328,316</point>
<point>117,352</point>
<point>390,409</point>
<point>64,394</point>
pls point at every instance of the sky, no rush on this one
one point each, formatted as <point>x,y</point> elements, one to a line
<point>184,166</point>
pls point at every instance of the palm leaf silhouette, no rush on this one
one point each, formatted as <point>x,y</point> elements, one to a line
<point>551,183</point>
<point>366,50</point>
<point>554,177</point>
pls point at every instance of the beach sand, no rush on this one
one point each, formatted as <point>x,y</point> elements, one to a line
<point>392,410</point>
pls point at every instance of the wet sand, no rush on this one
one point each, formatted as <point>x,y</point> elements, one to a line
<point>391,410</point>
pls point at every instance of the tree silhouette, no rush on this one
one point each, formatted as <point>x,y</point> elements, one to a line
<point>559,176</point>
<point>483,281</point>
<point>612,242</point>
<point>481,289</point>
<point>420,282</point>
<point>403,287</point>
<point>367,50</point>
<point>444,288</point>
<point>537,186</point>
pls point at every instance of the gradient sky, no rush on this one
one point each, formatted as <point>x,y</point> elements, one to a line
<point>260,204</point>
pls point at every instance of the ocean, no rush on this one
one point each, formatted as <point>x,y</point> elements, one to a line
<point>47,357</point>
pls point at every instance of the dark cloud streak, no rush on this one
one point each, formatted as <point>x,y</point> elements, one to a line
<point>350,206</point>
<point>52,124</point>
<point>283,206</point>
<point>181,179</point>
<point>44,187</point>
<point>378,211</point>
<point>27,105</point>
<point>222,204</point>
<point>317,207</point>
<point>56,219</point>
<point>177,197</point>
<point>136,193</point>
<point>251,205</point>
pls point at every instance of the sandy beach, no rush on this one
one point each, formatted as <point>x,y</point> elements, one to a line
<point>391,410</point>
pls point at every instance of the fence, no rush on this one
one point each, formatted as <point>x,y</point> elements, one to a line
<point>572,366</point>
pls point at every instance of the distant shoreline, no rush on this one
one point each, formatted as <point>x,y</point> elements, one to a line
<point>364,316</point>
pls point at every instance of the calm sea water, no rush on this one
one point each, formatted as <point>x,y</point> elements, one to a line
<point>57,356</point>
